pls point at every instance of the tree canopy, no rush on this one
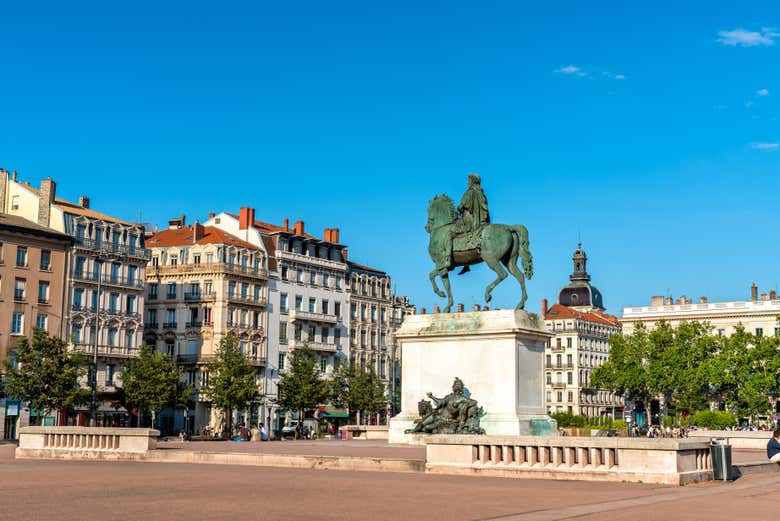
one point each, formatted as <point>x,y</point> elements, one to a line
<point>358,389</point>
<point>301,388</point>
<point>46,374</point>
<point>232,382</point>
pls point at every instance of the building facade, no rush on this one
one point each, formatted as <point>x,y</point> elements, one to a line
<point>308,295</point>
<point>33,268</point>
<point>581,343</point>
<point>105,280</point>
<point>757,315</point>
<point>375,314</point>
<point>201,284</point>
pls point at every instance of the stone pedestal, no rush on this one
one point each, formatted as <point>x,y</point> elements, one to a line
<point>498,354</point>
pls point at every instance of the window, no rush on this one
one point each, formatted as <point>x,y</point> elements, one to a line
<point>169,346</point>
<point>549,360</point>
<point>569,359</point>
<point>171,317</point>
<point>209,258</point>
<point>312,331</point>
<point>568,342</point>
<point>21,256</point>
<point>373,339</point>
<point>353,310</point>
<point>78,298</point>
<point>17,323</point>
<point>558,343</point>
<point>45,260</point>
<point>284,272</point>
<point>281,361</point>
<point>312,304</point>
<point>363,311</point>
<point>373,312</point>
<point>323,364</point>
<point>113,302</point>
<point>75,333</point>
<point>298,332</point>
<point>152,291</point>
<point>132,274</point>
<point>112,336</point>
<point>560,396</point>
<point>153,317</point>
<point>196,258</point>
<point>109,375</point>
<point>40,321</point>
<point>94,300</point>
<point>43,292</point>
<point>115,267</point>
<point>231,288</point>
<point>283,303</point>
<point>324,306</point>
<point>759,331</point>
<point>172,290</point>
<point>382,340</point>
<point>208,287</point>
<point>298,276</point>
<point>325,334</point>
<point>362,339</point>
<point>283,331</point>
<point>244,290</point>
<point>325,279</point>
<point>19,287</point>
<point>257,292</point>
<point>569,379</point>
<point>337,309</point>
<point>382,314</point>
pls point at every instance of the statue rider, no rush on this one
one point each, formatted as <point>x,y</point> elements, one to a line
<point>473,209</point>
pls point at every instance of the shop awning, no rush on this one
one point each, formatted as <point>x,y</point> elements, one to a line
<point>332,413</point>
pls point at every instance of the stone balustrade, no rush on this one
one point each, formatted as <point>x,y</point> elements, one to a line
<point>737,439</point>
<point>591,459</point>
<point>85,442</point>
<point>365,432</point>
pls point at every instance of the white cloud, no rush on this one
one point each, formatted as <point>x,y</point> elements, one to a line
<point>762,145</point>
<point>571,69</point>
<point>745,38</point>
<point>762,92</point>
<point>614,76</point>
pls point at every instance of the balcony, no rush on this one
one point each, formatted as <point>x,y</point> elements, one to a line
<point>198,324</point>
<point>558,366</point>
<point>105,350</point>
<point>107,280</point>
<point>247,300</point>
<point>309,316</point>
<point>206,359</point>
<point>557,385</point>
<point>197,296</point>
<point>109,248</point>
<point>316,261</point>
<point>169,325</point>
<point>249,327</point>
<point>314,346</point>
<point>43,300</point>
<point>19,295</point>
<point>152,325</point>
<point>208,268</point>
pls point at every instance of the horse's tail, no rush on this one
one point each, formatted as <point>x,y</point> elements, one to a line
<point>522,248</point>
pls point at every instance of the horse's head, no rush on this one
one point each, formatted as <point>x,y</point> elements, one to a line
<point>441,211</point>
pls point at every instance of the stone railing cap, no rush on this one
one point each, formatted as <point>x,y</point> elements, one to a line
<point>569,441</point>
<point>120,431</point>
<point>364,427</point>
<point>499,321</point>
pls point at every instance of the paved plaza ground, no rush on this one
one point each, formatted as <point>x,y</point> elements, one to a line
<point>71,490</point>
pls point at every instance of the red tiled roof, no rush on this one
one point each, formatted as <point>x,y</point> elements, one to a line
<point>271,228</point>
<point>560,311</point>
<point>183,237</point>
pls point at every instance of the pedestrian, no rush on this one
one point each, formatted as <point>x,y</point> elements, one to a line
<point>255,432</point>
<point>243,433</point>
<point>773,447</point>
<point>263,433</point>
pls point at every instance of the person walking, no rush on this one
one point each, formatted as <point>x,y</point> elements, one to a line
<point>773,447</point>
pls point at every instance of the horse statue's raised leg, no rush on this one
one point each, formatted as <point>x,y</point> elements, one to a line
<point>445,279</point>
<point>432,275</point>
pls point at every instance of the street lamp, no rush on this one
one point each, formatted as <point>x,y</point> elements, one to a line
<point>94,405</point>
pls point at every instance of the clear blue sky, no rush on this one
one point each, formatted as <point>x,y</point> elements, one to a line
<point>651,131</point>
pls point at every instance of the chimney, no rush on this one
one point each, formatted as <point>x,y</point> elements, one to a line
<point>764,296</point>
<point>544,307</point>
<point>772,294</point>
<point>436,309</point>
<point>298,227</point>
<point>344,254</point>
<point>335,233</point>
<point>286,224</point>
<point>476,307</point>
<point>460,308</point>
<point>422,311</point>
<point>176,223</point>
<point>753,292</point>
<point>485,308</point>
<point>326,235</point>
<point>657,300</point>
<point>197,231</point>
<point>668,301</point>
<point>84,201</point>
<point>211,215</point>
<point>14,175</point>
<point>45,200</point>
<point>3,188</point>
<point>703,300</point>
<point>244,214</point>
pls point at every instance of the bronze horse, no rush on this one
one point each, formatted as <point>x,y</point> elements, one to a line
<point>499,244</point>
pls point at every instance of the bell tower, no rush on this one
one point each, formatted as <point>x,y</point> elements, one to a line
<point>579,293</point>
<point>580,261</point>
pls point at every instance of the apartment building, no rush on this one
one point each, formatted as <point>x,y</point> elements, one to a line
<point>376,313</point>
<point>105,280</point>
<point>203,283</point>
<point>581,343</point>
<point>33,268</point>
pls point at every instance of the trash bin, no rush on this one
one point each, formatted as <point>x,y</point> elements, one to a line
<point>721,458</point>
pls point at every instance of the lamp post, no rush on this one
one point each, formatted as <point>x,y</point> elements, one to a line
<point>93,405</point>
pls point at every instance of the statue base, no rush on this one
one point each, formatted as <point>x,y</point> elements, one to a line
<point>498,354</point>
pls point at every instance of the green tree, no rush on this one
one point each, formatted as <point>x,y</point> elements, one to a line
<point>301,388</point>
<point>359,390</point>
<point>46,374</point>
<point>232,380</point>
<point>152,382</point>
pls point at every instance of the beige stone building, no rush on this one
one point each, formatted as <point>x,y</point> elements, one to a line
<point>375,315</point>
<point>33,268</point>
<point>203,283</point>
<point>757,315</point>
<point>104,293</point>
<point>582,330</point>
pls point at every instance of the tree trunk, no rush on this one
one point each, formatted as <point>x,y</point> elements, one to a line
<point>154,419</point>
<point>140,416</point>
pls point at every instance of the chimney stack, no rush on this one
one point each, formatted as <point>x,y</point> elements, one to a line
<point>657,300</point>
<point>703,300</point>
<point>298,227</point>
<point>476,307</point>
<point>211,215</point>
<point>326,235</point>
<point>197,231</point>
<point>246,218</point>
<point>764,296</point>
<point>753,292</point>
<point>84,201</point>
<point>176,223</point>
<point>436,309</point>
<point>460,308</point>
<point>286,224</point>
<point>45,200</point>
<point>335,235</point>
<point>485,308</point>
<point>422,311</point>
<point>772,294</point>
<point>668,301</point>
<point>3,188</point>
<point>544,307</point>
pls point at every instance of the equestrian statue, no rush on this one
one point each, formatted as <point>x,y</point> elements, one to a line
<point>466,236</point>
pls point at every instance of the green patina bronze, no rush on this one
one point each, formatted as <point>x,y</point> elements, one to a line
<point>465,236</point>
<point>453,414</point>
